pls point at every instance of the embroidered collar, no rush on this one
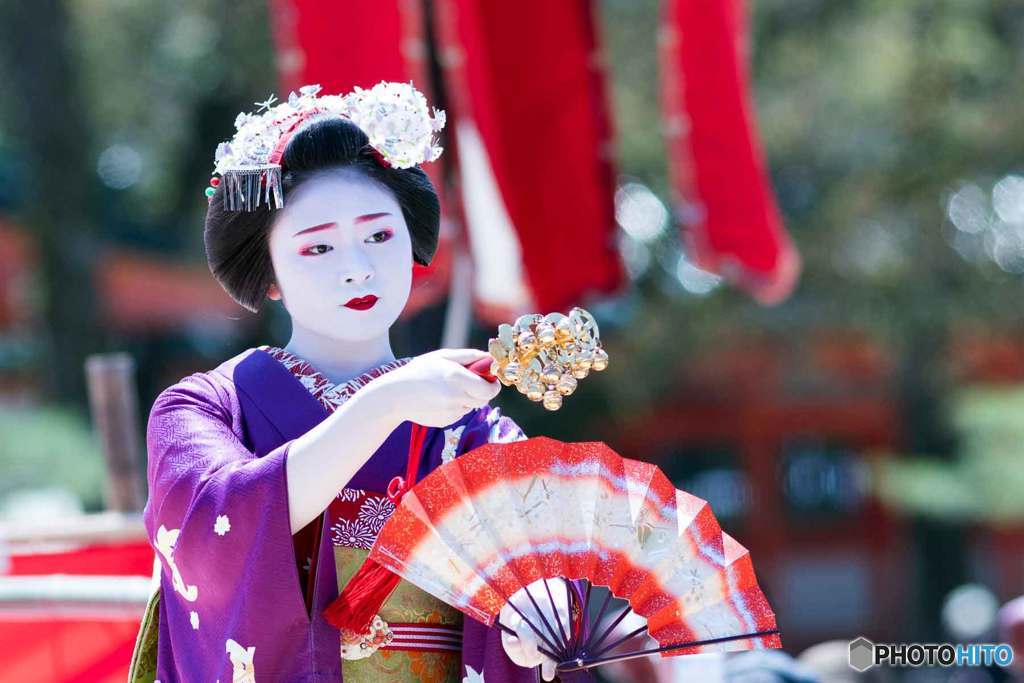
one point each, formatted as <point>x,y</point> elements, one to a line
<point>330,395</point>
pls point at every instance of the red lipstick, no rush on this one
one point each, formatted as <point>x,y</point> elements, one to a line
<point>362,303</point>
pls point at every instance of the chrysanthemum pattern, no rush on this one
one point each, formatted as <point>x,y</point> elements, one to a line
<point>374,511</point>
<point>348,495</point>
<point>352,533</point>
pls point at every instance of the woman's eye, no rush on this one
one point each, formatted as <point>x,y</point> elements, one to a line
<point>317,249</point>
<point>382,236</point>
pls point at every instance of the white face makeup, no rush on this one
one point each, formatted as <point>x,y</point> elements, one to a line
<point>342,257</point>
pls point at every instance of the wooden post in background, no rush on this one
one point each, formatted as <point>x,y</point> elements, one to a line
<point>114,405</point>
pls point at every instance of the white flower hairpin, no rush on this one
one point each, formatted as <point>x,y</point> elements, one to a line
<point>394,116</point>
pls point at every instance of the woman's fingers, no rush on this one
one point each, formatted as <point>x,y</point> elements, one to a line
<point>474,386</point>
<point>461,356</point>
<point>528,643</point>
<point>481,394</point>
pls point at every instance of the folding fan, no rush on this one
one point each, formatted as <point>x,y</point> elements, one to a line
<point>479,528</point>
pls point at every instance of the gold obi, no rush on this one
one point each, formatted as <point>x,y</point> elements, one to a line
<point>425,648</point>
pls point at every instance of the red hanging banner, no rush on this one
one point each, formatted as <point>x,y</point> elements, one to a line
<point>526,92</point>
<point>723,199</point>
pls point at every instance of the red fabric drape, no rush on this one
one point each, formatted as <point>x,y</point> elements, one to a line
<point>340,45</point>
<point>528,77</point>
<point>730,221</point>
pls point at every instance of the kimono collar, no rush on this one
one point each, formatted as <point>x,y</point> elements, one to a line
<point>278,406</point>
<point>330,395</point>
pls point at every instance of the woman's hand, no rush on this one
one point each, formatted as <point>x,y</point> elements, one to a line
<point>522,648</point>
<point>435,389</point>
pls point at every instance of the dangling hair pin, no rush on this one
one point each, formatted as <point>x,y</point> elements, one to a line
<point>394,116</point>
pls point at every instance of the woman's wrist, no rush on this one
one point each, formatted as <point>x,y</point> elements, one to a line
<point>378,403</point>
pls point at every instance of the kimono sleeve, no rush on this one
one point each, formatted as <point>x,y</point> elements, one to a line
<point>218,518</point>
<point>489,425</point>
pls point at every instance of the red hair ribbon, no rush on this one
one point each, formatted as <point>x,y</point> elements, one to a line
<point>286,136</point>
<point>378,156</point>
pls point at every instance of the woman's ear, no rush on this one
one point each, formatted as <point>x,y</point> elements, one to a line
<point>273,292</point>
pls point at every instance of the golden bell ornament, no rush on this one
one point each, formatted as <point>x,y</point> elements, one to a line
<point>552,399</point>
<point>513,372</point>
<point>563,330</point>
<point>550,374</point>
<point>545,334</point>
<point>580,371</point>
<point>527,342</point>
<point>546,356</point>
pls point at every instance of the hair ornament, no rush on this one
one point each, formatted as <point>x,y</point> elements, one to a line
<point>394,116</point>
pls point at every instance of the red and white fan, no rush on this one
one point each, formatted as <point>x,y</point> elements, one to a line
<point>481,527</point>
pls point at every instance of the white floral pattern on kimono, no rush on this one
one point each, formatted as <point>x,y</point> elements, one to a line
<point>241,662</point>
<point>222,525</point>
<point>353,533</point>
<point>348,494</point>
<point>451,443</point>
<point>374,512</point>
<point>165,542</point>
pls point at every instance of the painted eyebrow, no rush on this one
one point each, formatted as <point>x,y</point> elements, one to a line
<point>326,226</point>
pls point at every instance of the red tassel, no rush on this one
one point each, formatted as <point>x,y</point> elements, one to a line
<point>362,598</point>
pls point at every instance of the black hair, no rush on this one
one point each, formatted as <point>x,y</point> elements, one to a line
<point>236,241</point>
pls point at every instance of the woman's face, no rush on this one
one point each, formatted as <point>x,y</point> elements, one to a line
<point>342,257</point>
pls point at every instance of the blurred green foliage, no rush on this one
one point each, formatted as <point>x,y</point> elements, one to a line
<point>984,484</point>
<point>871,113</point>
<point>50,447</point>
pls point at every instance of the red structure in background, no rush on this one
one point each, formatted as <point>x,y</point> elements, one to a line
<point>73,641</point>
<point>67,647</point>
<point>723,199</point>
<point>777,435</point>
<point>16,250</point>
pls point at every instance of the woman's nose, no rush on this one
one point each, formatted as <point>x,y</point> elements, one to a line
<point>357,275</point>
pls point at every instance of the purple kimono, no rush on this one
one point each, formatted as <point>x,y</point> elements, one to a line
<point>231,600</point>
